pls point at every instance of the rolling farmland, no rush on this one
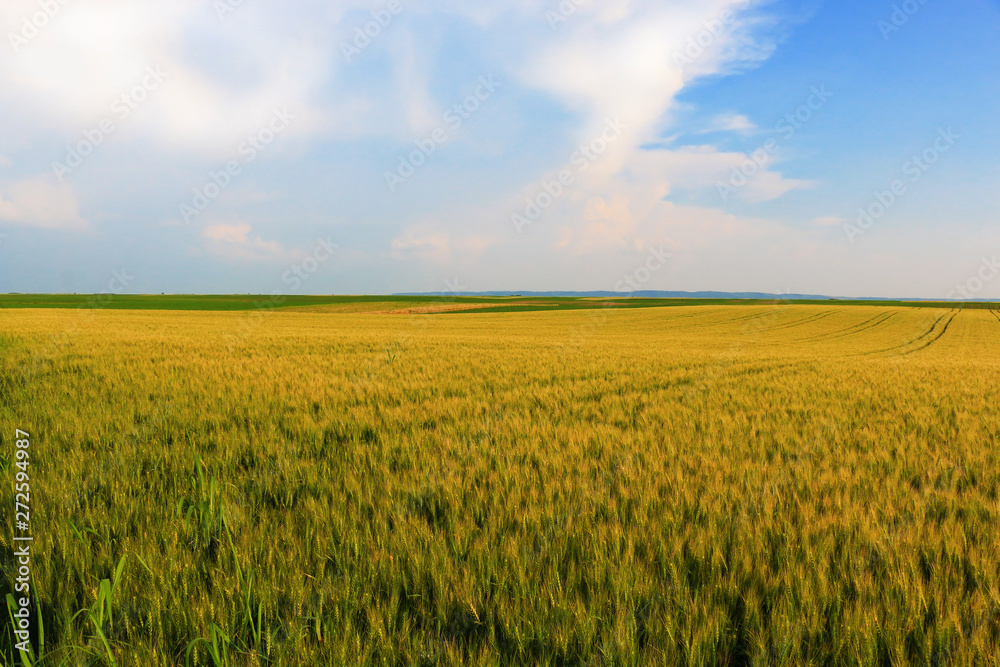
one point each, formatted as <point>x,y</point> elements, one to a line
<point>779,484</point>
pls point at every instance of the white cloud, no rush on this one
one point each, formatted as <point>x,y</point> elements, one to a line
<point>221,83</point>
<point>423,244</point>
<point>39,203</point>
<point>438,243</point>
<point>225,77</point>
<point>704,167</point>
<point>613,58</point>
<point>632,65</point>
<point>730,123</point>
<point>827,221</point>
<point>635,64</point>
<point>233,241</point>
<point>412,81</point>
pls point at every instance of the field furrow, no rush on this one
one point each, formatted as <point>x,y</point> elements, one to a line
<point>871,323</point>
<point>937,334</point>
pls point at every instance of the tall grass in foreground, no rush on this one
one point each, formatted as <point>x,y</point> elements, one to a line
<point>695,486</point>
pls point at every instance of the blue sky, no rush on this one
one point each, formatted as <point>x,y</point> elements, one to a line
<point>741,138</point>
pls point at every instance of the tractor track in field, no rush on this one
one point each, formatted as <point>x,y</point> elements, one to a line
<point>672,318</point>
<point>929,333</point>
<point>944,330</point>
<point>996,314</point>
<point>751,319</point>
<point>874,322</point>
<point>807,320</point>
<point>747,318</point>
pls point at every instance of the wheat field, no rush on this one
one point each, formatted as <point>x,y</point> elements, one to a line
<point>700,485</point>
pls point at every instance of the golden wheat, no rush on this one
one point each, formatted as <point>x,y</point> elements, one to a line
<point>779,485</point>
